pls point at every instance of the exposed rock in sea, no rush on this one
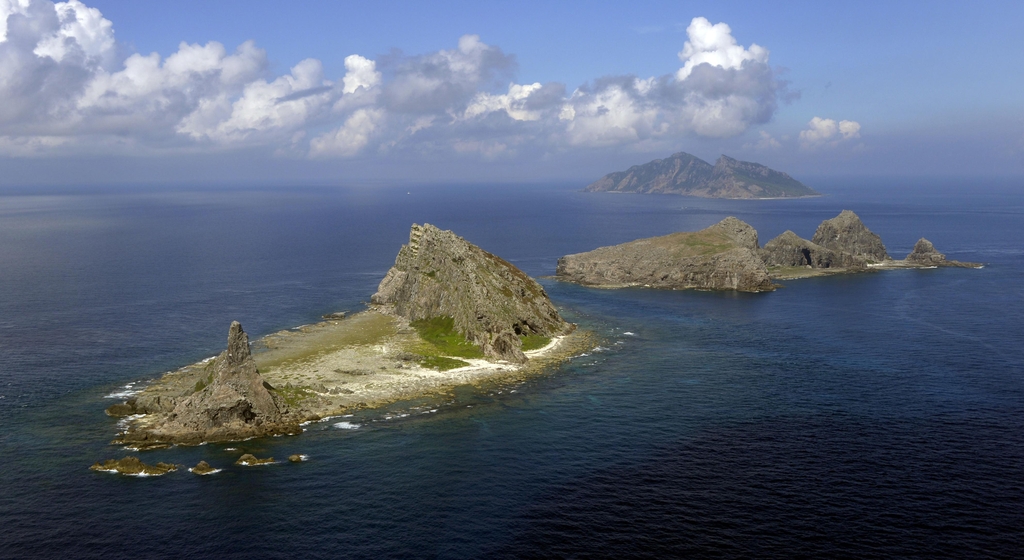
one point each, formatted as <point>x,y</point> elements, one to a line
<point>789,249</point>
<point>686,174</point>
<point>720,257</point>
<point>493,303</point>
<point>847,234</point>
<point>296,458</point>
<point>925,254</point>
<point>249,460</point>
<point>133,466</point>
<point>235,403</point>
<point>203,468</point>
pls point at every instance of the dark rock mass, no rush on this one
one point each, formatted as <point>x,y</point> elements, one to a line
<point>847,234</point>
<point>134,467</point>
<point>493,303</point>
<point>234,404</point>
<point>720,257</point>
<point>924,253</point>
<point>686,174</point>
<point>789,249</point>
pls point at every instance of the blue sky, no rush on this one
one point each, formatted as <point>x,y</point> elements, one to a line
<point>335,92</point>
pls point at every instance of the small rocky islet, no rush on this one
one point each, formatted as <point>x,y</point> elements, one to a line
<point>727,256</point>
<point>447,313</point>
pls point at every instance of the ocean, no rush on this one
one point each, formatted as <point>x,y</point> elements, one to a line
<point>873,415</point>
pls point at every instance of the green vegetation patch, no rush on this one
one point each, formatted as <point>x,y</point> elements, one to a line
<point>441,363</point>
<point>294,395</point>
<point>441,334</point>
<point>534,342</point>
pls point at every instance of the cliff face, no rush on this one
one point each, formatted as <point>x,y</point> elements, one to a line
<point>789,249</point>
<point>847,234</point>
<point>686,174</point>
<point>439,274</point>
<point>720,257</point>
<point>234,404</point>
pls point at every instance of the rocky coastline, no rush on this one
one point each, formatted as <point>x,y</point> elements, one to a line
<point>726,256</point>
<point>447,314</point>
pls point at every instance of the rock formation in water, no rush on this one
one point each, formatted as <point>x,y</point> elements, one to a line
<point>134,467</point>
<point>720,257</point>
<point>847,234</point>
<point>202,468</point>
<point>686,174</point>
<point>789,249</point>
<point>925,254</point>
<point>493,304</point>
<point>236,403</point>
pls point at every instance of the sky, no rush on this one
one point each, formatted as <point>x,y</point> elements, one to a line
<point>267,91</point>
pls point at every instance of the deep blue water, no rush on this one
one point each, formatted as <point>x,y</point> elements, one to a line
<point>873,415</point>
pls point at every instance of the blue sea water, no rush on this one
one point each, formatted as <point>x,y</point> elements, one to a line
<point>873,415</point>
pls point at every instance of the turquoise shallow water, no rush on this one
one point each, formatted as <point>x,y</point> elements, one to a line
<point>873,415</point>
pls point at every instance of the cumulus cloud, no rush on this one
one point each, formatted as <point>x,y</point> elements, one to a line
<point>714,45</point>
<point>828,132</point>
<point>63,86</point>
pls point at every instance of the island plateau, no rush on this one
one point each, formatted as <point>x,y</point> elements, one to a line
<point>686,174</point>
<point>726,256</point>
<point>447,313</point>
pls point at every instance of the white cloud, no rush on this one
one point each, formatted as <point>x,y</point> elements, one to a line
<point>715,45</point>
<point>62,86</point>
<point>512,103</point>
<point>361,73</point>
<point>81,27</point>
<point>828,132</point>
<point>765,142</point>
<point>9,8</point>
<point>350,138</point>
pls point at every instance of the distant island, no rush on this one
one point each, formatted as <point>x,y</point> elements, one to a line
<point>686,174</point>
<point>726,256</point>
<point>447,313</point>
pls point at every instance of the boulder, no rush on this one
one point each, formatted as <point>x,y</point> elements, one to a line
<point>203,468</point>
<point>249,460</point>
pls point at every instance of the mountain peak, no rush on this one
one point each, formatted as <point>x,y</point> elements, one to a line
<point>686,174</point>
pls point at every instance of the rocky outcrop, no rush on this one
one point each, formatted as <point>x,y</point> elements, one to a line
<point>925,254</point>
<point>249,460</point>
<point>789,249</point>
<point>203,468</point>
<point>134,467</point>
<point>720,257</point>
<point>847,234</point>
<point>686,174</point>
<point>493,304</point>
<point>233,403</point>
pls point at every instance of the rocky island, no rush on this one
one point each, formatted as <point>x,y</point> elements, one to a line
<point>721,257</point>
<point>448,313</point>
<point>686,174</point>
<point>726,256</point>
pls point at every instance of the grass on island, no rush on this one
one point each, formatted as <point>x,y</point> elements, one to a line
<point>534,342</point>
<point>293,395</point>
<point>440,333</point>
